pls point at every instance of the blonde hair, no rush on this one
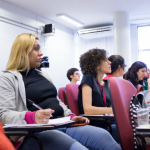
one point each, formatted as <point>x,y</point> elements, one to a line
<point>22,46</point>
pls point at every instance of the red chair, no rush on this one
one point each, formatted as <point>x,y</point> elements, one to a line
<point>62,96</point>
<point>72,100</point>
<point>72,97</point>
<point>121,92</point>
<point>5,143</point>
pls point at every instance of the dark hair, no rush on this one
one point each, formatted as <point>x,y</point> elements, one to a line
<point>90,60</point>
<point>124,76</point>
<point>132,72</point>
<point>116,60</point>
<point>71,72</point>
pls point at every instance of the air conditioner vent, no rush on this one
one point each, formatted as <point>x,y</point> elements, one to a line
<point>98,32</point>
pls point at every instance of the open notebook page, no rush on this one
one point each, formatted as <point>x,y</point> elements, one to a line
<point>58,121</point>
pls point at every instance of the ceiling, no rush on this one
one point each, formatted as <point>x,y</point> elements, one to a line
<point>90,12</point>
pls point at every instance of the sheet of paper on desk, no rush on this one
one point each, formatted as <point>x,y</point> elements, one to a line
<point>144,126</point>
<point>58,121</point>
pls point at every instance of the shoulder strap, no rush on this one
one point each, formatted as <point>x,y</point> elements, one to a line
<point>133,115</point>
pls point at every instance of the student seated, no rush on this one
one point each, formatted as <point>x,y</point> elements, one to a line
<point>73,75</point>
<point>117,70</point>
<point>21,81</point>
<point>91,98</point>
<point>136,73</point>
<point>146,81</point>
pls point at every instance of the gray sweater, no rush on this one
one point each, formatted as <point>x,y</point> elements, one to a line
<point>13,98</point>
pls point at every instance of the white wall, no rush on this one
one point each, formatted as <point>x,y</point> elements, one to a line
<point>58,48</point>
<point>134,43</point>
<point>107,43</point>
<point>82,45</point>
<point>63,49</point>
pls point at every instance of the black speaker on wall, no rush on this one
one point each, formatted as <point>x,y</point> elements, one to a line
<point>50,28</point>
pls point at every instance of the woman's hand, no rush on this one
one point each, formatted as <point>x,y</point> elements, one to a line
<point>42,116</point>
<point>80,119</point>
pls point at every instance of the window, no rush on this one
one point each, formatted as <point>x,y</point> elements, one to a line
<point>144,44</point>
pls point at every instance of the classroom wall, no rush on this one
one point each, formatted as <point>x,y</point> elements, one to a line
<point>58,48</point>
<point>107,43</point>
<point>63,49</point>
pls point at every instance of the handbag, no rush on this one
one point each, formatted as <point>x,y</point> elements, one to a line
<point>141,100</point>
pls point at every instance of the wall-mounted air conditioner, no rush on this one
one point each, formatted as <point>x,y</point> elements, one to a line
<point>97,32</point>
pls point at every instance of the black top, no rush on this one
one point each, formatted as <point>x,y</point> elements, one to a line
<point>41,91</point>
<point>108,101</point>
<point>97,99</point>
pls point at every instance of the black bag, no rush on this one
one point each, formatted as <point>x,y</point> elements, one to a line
<point>141,100</point>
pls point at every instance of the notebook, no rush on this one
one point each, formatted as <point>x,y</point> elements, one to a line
<point>52,122</point>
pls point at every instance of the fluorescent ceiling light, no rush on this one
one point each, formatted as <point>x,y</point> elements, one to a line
<point>70,19</point>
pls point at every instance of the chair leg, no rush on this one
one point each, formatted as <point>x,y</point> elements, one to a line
<point>143,142</point>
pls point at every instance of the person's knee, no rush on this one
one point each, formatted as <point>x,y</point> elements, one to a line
<point>56,139</point>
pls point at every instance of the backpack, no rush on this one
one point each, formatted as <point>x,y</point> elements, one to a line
<point>141,100</point>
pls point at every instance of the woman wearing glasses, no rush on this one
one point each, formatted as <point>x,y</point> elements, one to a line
<point>73,75</point>
<point>136,73</point>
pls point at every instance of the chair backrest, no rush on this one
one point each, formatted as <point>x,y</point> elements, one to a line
<point>62,96</point>
<point>121,92</point>
<point>72,97</point>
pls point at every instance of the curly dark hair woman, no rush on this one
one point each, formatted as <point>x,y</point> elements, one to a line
<point>91,98</point>
<point>91,59</point>
<point>136,73</point>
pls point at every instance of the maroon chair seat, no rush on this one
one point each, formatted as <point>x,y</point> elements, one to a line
<point>121,92</point>
<point>62,96</point>
<point>72,97</point>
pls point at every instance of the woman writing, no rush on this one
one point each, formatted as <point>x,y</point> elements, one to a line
<point>136,73</point>
<point>21,81</point>
<point>91,98</point>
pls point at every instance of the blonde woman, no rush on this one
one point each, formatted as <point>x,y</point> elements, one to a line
<point>21,81</point>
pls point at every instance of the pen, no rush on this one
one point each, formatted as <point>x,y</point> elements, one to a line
<point>32,103</point>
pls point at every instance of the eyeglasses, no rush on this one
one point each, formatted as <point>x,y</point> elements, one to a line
<point>78,74</point>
